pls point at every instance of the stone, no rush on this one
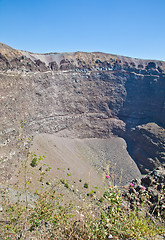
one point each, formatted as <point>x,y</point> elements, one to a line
<point>85,95</point>
<point>152,197</point>
<point>160,186</point>
<point>147,181</point>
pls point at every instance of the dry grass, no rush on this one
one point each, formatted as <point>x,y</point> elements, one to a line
<point>49,216</point>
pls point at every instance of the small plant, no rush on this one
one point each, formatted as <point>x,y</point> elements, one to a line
<point>65,183</point>
<point>48,169</point>
<point>101,199</point>
<point>85,185</point>
<point>41,179</point>
<point>51,218</point>
<point>33,162</point>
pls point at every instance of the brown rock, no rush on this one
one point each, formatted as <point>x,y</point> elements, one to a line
<point>85,95</point>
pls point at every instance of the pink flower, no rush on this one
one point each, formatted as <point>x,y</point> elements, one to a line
<point>131,185</point>
<point>143,188</point>
<point>107,176</point>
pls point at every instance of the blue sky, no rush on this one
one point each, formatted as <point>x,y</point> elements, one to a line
<point>134,28</point>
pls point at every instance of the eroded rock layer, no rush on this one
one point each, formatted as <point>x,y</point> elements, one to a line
<point>84,95</point>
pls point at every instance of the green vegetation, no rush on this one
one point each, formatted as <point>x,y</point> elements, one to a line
<point>50,217</point>
<point>65,183</point>
<point>33,162</point>
<point>85,185</point>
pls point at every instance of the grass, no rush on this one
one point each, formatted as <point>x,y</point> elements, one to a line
<point>50,217</point>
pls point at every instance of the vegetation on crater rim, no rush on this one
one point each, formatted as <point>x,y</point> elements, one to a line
<point>49,216</point>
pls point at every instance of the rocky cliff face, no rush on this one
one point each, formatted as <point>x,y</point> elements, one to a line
<point>84,95</point>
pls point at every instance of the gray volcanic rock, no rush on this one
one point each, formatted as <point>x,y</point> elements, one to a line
<point>148,146</point>
<point>83,95</point>
<point>151,190</point>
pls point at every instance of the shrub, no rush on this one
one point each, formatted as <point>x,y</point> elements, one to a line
<point>33,162</point>
<point>49,217</point>
<point>85,185</point>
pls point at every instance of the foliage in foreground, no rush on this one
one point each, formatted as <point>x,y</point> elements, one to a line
<point>51,218</point>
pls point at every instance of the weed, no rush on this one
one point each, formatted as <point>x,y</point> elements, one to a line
<point>33,162</point>
<point>49,217</point>
<point>85,185</point>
